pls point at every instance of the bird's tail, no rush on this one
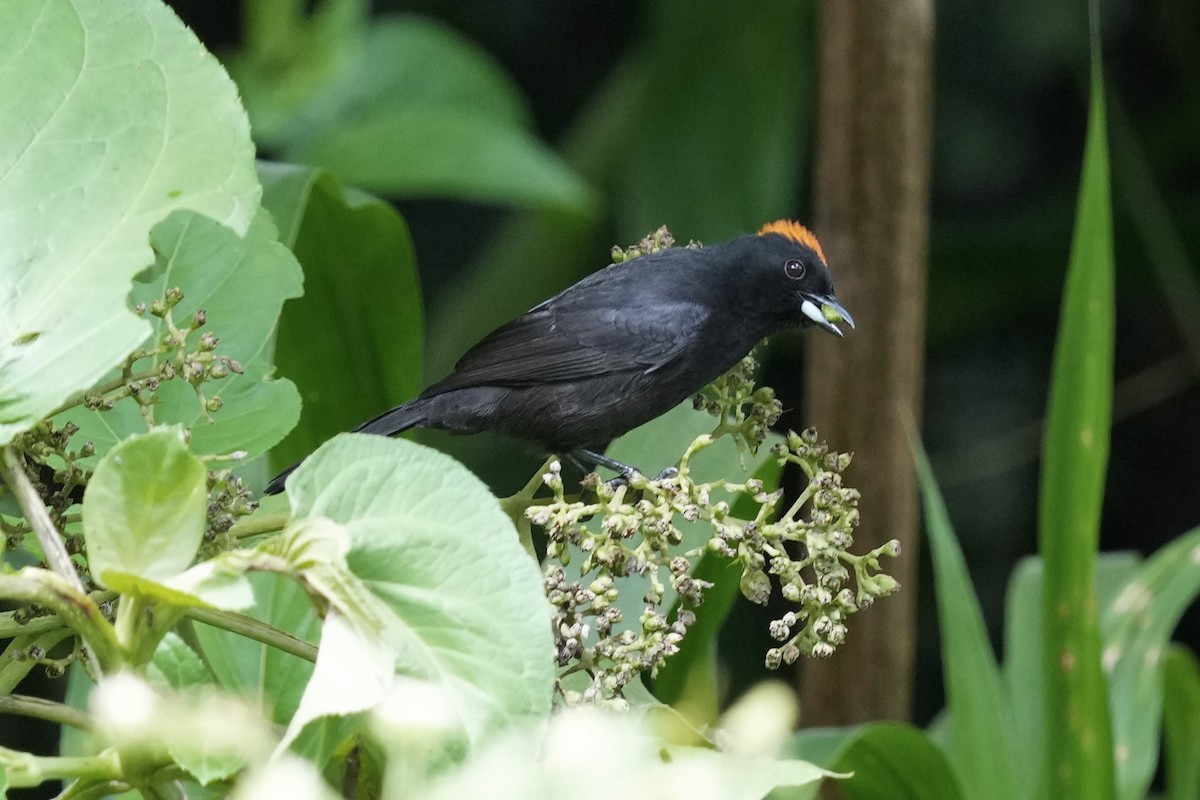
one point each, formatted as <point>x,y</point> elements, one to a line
<point>389,423</point>
<point>398,420</point>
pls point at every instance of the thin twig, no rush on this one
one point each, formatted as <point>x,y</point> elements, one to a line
<point>38,517</point>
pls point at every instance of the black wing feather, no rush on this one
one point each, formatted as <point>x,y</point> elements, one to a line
<point>565,342</point>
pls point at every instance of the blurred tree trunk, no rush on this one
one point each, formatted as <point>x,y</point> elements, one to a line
<point>872,190</point>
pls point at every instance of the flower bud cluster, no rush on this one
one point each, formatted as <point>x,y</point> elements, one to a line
<point>745,412</point>
<point>196,363</point>
<point>229,499</point>
<point>652,242</point>
<point>46,446</point>
<point>631,527</point>
<point>181,352</point>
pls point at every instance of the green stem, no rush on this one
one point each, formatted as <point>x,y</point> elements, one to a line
<point>516,504</point>
<point>77,610</point>
<point>38,708</point>
<point>16,663</point>
<point>800,501</point>
<point>259,524</point>
<point>10,627</point>
<point>256,630</point>
<point>141,624</point>
<point>23,770</point>
<point>104,388</point>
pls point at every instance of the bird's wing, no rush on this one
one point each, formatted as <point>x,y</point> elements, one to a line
<point>565,342</point>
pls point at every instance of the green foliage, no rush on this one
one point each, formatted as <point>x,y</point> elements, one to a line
<point>82,185</point>
<point>1181,718</point>
<point>361,99</point>
<point>1079,743</point>
<point>362,296</point>
<point>884,761</point>
<point>433,574</point>
<point>982,728</point>
<point>143,514</point>
<point>207,362</point>
<point>1077,708</point>
<point>382,626</point>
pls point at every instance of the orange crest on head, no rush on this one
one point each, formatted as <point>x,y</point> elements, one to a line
<point>796,232</point>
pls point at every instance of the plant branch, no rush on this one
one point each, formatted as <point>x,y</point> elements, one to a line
<point>260,523</point>
<point>516,504</point>
<point>104,388</point>
<point>75,608</point>
<point>10,625</point>
<point>255,629</point>
<point>16,661</point>
<point>38,708</point>
<point>24,770</point>
<point>39,519</point>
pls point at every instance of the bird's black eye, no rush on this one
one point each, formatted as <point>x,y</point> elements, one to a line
<point>794,269</point>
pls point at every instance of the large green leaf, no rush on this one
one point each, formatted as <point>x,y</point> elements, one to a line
<point>406,105</point>
<point>981,718</point>
<point>240,283</point>
<point>433,570</point>
<point>354,343</point>
<point>1078,729</point>
<point>112,116</point>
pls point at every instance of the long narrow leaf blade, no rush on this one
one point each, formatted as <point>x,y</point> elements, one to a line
<point>981,717</point>
<point>1078,736</point>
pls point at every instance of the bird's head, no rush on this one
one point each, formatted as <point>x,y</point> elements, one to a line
<point>795,263</point>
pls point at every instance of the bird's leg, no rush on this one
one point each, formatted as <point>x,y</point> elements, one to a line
<point>625,472</point>
<point>601,460</point>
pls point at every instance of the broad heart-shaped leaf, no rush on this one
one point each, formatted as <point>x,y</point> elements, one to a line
<point>113,115</point>
<point>462,602</point>
<point>143,511</point>
<point>354,343</point>
<point>419,110</point>
<point>240,283</point>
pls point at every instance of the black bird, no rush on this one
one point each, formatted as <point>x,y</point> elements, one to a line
<point>626,344</point>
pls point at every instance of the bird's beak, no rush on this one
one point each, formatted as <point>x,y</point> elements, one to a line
<point>824,310</point>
